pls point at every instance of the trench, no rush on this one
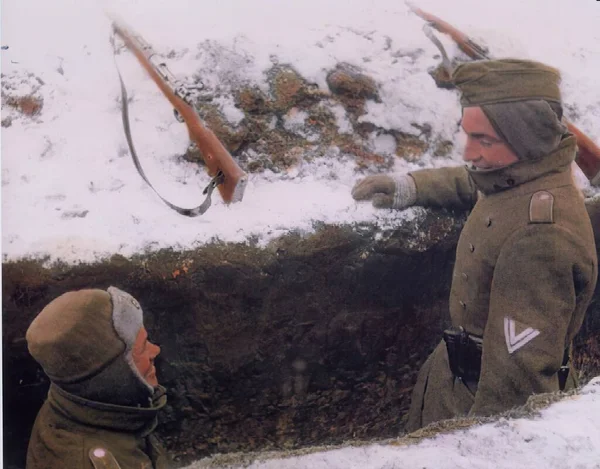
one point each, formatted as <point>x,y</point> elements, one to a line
<point>311,340</point>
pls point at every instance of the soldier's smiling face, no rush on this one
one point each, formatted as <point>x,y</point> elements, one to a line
<point>484,149</point>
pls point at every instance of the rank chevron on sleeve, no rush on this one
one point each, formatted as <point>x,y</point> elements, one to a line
<point>515,341</point>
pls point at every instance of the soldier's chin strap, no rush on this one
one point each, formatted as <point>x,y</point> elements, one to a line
<point>208,190</point>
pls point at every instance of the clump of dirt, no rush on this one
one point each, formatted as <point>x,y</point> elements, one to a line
<point>21,93</point>
<point>290,90</point>
<point>292,122</point>
<point>28,105</point>
<point>352,87</point>
<point>252,101</point>
<point>410,147</point>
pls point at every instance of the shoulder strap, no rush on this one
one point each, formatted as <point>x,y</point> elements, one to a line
<point>102,458</point>
<point>541,207</point>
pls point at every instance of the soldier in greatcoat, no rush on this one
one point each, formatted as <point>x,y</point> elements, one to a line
<point>526,263</point>
<point>104,395</point>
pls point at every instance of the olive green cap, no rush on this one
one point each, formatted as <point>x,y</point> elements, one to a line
<point>506,80</point>
<point>73,337</point>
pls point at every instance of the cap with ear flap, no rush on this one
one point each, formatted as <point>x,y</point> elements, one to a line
<point>73,337</point>
<point>506,80</point>
<point>81,332</point>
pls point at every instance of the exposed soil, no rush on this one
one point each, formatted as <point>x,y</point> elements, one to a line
<point>313,340</point>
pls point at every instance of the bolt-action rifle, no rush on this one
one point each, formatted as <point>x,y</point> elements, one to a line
<point>588,155</point>
<point>227,176</point>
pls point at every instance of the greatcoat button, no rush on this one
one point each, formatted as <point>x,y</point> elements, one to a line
<point>471,248</point>
<point>488,221</point>
<point>465,276</point>
<point>463,304</point>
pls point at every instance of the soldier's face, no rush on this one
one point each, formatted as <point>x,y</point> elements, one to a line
<point>144,352</point>
<point>483,148</point>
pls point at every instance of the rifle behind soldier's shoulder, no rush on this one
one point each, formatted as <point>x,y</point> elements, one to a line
<point>588,155</point>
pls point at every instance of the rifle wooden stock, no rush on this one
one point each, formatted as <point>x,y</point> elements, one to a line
<point>588,155</point>
<point>215,155</point>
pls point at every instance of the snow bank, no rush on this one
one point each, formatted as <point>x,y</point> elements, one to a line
<point>70,190</point>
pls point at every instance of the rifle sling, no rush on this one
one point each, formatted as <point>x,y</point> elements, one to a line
<point>215,181</point>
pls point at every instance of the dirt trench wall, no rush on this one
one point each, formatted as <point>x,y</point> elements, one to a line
<point>312,340</point>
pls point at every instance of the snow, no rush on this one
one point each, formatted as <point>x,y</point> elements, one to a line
<point>70,190</point>
<point>341,118</point>
<point>229,110</point>
<point>382,144</point>
<point>565,435</point>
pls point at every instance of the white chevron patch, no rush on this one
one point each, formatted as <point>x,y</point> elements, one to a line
<point>515,341</point>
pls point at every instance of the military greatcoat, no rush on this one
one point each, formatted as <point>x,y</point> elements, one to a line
<point>75,433</point>
<point>525,272</point>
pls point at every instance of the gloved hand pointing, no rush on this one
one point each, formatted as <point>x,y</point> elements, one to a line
<point>385,191</point>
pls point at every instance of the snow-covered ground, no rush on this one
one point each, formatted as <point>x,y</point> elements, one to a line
<point>69,187</point>
<point>565,435</point>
